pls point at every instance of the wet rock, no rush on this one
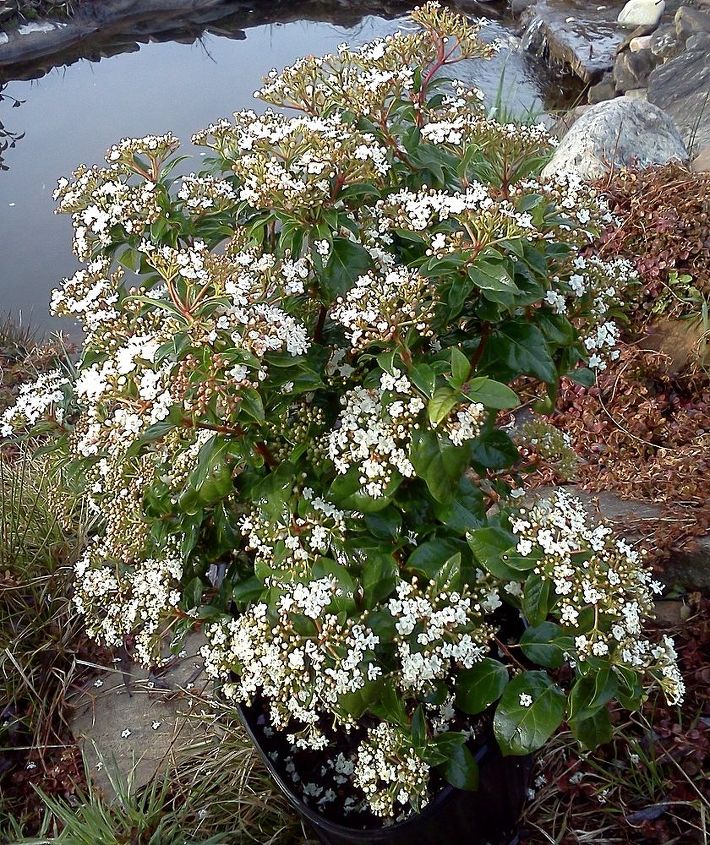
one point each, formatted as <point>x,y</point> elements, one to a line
<point>631,70</point>
<point>603,90</point>
<point>689,21</point>
<point>574,34</point>
<point>566,120</point>
<point>641,12</point>
<point>664,42</point>
<point>681,87</point>
<point>617,133</point>
<point>701,162</point>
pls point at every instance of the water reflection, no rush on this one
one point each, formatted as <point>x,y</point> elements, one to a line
<point>72,115</point>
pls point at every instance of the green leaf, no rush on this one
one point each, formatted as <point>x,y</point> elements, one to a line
<point>522,729</point>
<point>494,450</point>
<point>391,708</point>
<point>428,558</point>
<point>545,644</point>
<point>593,731</point>
<point>461,769</point>
<point>439,464</point>
<point>465,511</point>
<point>441,404</point>
<point>347,262</point>
<point>424,378</point>
<point>489,545</point>
<point>493,279</point>
<point>536,599</point>
<point>583,376</point>
<point>591,692</point>
<point>460,367</point>
<point>492,394</point>
<point>379,576</point>
<point>449,575</point>
<point>516,349</point>
<point>478,687</point>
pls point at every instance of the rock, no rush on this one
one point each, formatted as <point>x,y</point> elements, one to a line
<point>575,34</point>
<point>641,12</point>
<point>701,162</point>
<point>671,611</point>
<point>689,21</point>
<point>641,42</point>
<point>631,70</point>
<point>603,90</point>
<point>151,713</point>
<point>617,133</point>
<point>681,87</point>
<point>567,119</point>
<point>517,7</point>
<point>699,41</point>
<point>664,42</point>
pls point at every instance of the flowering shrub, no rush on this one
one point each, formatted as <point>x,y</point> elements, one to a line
<point>300,391</point>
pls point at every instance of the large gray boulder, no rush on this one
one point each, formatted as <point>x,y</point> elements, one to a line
<point>614,134</point>
<point>681,87</point>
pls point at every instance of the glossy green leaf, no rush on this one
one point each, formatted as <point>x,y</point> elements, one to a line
<point>478,687</point>
<point>522,727</point>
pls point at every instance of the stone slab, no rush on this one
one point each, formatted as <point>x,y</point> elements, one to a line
<point>138,727</point>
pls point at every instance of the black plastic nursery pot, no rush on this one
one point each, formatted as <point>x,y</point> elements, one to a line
<point>488,816</point>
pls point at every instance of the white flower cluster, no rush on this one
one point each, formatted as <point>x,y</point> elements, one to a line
<point>101,200</point>
<point>464,423</point>
<point>300,669</point>
<point>373,432</point>
<point>292,162</point>
<point>35,399</point>
<point>437,629</point>
<point>586,567</point>
<point>206,193</point>
<point>91,296</point>
<point>456,221</point>
<point>390,772</point>
<point>378,307</point>
<point>135,601</point>
<point>294,541</point>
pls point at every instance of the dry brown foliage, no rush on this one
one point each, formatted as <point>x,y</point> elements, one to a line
<point>665,224</point>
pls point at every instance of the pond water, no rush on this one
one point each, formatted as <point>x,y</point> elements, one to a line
<point>73,114</point>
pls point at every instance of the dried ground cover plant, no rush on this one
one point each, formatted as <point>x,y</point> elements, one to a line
<point>664,227</point>
<point>301,388</point>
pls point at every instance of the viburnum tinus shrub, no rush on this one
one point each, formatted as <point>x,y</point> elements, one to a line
<point>287,422</point>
